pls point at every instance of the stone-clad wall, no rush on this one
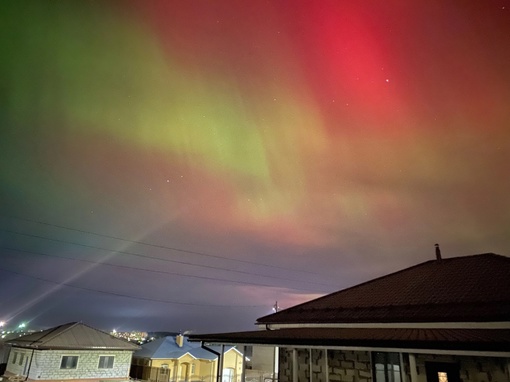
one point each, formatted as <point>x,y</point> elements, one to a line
<point>349,366</point>
<point>45,364</point>
<point>471,369</point>
<point>22,358</point>
<point>284,364</point>
<point>355,366</point>
<point>341,366</point>
<point>319,372</point>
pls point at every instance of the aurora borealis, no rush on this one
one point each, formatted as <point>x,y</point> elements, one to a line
<point>286,149</point>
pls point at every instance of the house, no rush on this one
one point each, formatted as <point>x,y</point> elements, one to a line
<point>70,352</point>
<point>444,320</point>
<point>174,358</point>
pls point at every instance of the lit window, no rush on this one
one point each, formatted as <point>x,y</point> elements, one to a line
<point>442,376</point>
<point>386,367</point>
<point>106,362</point>
<point>69,362</point>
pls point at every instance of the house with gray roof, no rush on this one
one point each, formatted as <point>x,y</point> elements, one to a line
<point>444,320</point>
<point>69,352</point>
<point>175,358</point>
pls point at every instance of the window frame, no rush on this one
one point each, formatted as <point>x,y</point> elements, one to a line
<point>389,358</point>
<point>164,369</point>
<point>106,359</point>
<point>66,357</point>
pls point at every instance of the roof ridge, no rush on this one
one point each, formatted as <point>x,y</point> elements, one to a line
<point>329,295</point>
<point>77,323</point>
<point>377,279</point>
<point>53,330</point>
<point>103,332</point>
<point>359,307</point>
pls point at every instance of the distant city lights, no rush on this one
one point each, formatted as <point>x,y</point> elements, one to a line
<point>134,336</point>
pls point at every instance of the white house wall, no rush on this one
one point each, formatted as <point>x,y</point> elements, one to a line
<point>45,364</point>
<point>16,354</point>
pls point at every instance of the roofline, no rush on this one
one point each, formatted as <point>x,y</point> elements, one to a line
<point>260,321</point>
<point>394,325</point>
<point>48,337</point>
<point>104,348</point>
<point>45,337</point>
<point>383,349</point>
<point>188,353</point>
<point>191,355</point>
<point>235,349</point>
<point>206,359</point>
<point>486,353</point>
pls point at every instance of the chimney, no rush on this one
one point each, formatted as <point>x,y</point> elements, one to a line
<point>438,252</point>
<point>179,340</point>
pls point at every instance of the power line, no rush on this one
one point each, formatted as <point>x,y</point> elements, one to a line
<point>159,245</point>
<point>167,260</point>
<point>127,295</point>
<point>36,253</point>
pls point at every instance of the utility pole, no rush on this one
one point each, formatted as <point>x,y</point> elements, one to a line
<point>275,350</point>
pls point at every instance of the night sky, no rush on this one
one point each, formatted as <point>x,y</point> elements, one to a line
<point>182,165</point>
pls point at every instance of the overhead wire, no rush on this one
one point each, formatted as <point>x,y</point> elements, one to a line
<point>37,253</point>
<point>165,247</point>
<point>128,295</point>
<point>203,254</point>
<point>279,277</point>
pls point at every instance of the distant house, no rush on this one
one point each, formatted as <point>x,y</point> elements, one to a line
<point>444,320</point>
<point>4,354</point>
<point>70,352</point>
<point>174,358</point>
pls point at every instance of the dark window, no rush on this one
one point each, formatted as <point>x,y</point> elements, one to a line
<point>386,367</point>
<point>442,372</point>
<point>15,357</point>
<point>69,362</point>
<point>106,362</point>
<point>21,357</point>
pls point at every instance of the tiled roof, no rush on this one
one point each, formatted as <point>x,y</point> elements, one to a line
<point>75,336</point>
<point>462,289</point>
<point>495,340</point>
<point>167,348</point>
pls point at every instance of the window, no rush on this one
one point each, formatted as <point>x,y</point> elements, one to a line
<point>228,375</point>
<point>106,362</point>
<point>164,369</point>
<point>192,368</point>
<point>15,357</point>
<point>386,367</point>
<point>442,372</point>
<point>21,356</point>
<point>69,362</point>
<point>442,376</point>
